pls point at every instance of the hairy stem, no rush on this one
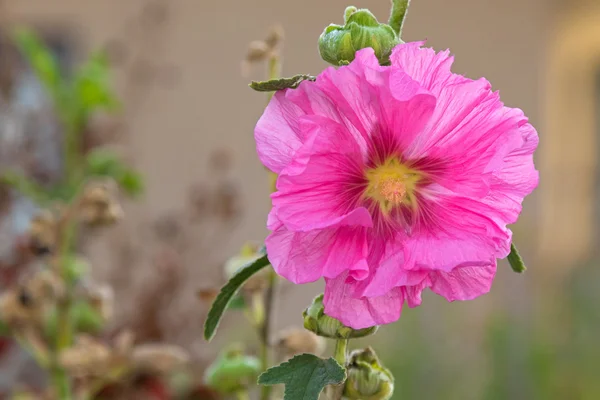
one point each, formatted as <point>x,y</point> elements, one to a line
<point>398,15</point>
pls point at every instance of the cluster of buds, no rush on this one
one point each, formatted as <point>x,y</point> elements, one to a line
<point>339,43</point>
<point>263,50</point>
<point>98,205</point>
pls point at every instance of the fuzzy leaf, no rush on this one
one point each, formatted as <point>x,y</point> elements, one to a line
<point>227,293</point>
<point>304,376</point>
<point>281,83</point>
<point>515,260</point>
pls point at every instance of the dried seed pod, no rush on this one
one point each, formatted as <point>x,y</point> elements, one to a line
<point>101,298</point>
<point>158,358</point>
<point>98,205</point>
<point>87,358</point>
<point>275,36</point>
<point>18,308</point>
<point>257,51</point>
<point>43,233</point>
<point>294,341</point>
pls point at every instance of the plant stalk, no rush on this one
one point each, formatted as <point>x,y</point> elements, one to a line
<point>340,354</point>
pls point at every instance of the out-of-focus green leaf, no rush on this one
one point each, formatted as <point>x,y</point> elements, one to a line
<point>237,303</point>
<point>105,163</point>
<point>92,89</point>
<point>42,61</point>
<point>25,186</point>
<point>305,376</point>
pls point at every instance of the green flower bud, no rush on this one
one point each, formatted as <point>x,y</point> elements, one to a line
<point>367,378</point>
<point>232,371</point>
<point>338,44</point>
<point>316,321</point>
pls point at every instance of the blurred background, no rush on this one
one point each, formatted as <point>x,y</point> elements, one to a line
<point>187,125</point>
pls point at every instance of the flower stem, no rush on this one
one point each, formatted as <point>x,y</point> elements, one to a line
<point>341,351</point>
<point>340,354</point>
<point>265,331</point>
<point>398,15</point>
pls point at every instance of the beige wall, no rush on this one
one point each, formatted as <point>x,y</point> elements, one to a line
<point>173,130</point>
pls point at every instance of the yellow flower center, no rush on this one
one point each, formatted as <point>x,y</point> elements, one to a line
<point>392,184</point>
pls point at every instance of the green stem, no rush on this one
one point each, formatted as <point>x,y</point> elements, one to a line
<point>274,70</point>
<point>340,354</point>
<point>341,351</point>
<point>65,331</point>
<point>265,332</point>
<point>61,383</point>
<point>398,15</point>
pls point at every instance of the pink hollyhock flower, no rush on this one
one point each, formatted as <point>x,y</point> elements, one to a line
<point>392,180</point>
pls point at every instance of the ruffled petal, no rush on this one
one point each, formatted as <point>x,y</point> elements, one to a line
<point>303,257</point>
<point>465,283</point>
<point>361,312</point>
<point>322,186</point>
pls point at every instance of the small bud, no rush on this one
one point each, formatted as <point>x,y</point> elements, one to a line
<point>232,371</point>
<point>98,206</point>
<point>367,378</point>
<point>297,341</point>
<point>42,233</point>
<point>338,44</point>
<point>316,321</point>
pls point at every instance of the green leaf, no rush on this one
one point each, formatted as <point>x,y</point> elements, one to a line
<point>304,376</point>
<point>41,59</point>
<point>92,87</point>
<point>281,83</point>
<point>227,293</point>
<point>105,163</point>
<point>25,186</point>
<point>515,260</point>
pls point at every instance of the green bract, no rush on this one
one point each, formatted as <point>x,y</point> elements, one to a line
<point>338,44</point>
<point>316,321</point>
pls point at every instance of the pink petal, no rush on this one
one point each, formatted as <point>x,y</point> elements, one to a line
<point>303,257</point>
<point>464,283</point>
<point>315,190</point>
<point>362,312</point>
<point>277,132</point>
<point>389,272</point>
